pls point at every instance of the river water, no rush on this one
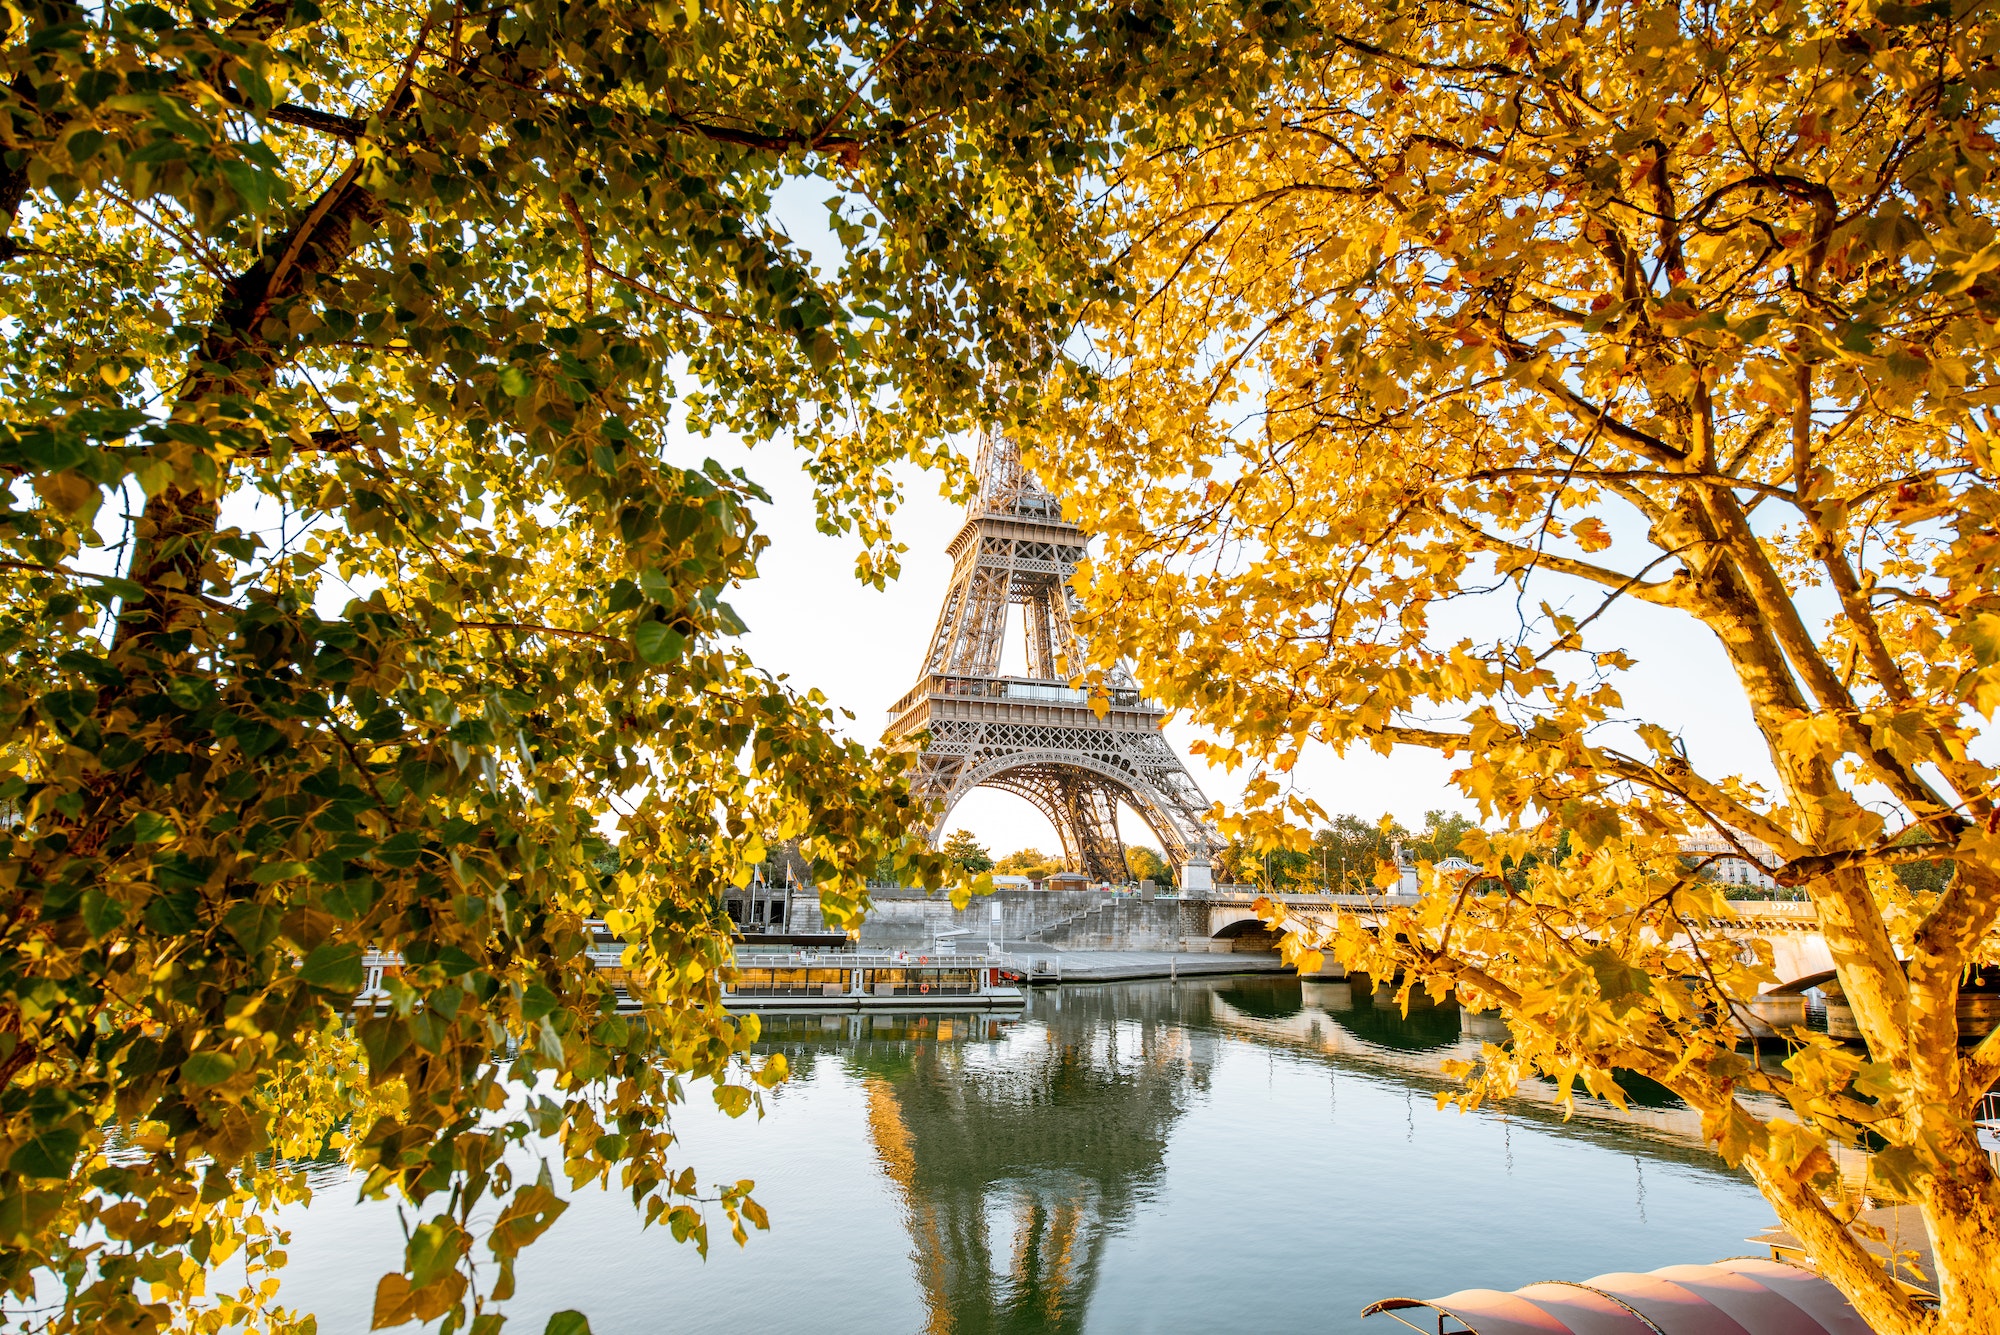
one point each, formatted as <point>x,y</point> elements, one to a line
<point>1248,1154</point>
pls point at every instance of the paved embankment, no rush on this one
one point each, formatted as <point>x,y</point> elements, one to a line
<point>908,920</point>
<point>1114,966</point>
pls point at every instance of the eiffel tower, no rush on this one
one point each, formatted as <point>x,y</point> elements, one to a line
<point>1036,735</point>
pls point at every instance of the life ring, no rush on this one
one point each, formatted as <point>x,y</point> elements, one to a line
<point>923,959</point>
<point>923,987</point>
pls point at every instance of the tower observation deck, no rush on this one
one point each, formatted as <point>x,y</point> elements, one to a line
<point>1036,735</point>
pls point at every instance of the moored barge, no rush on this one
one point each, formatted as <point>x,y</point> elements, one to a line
<point>810,978</point>
<point>882,980</point>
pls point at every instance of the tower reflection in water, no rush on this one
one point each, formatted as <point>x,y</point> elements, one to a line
<point>1017,1149</point>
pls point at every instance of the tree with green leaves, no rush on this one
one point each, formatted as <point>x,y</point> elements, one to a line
<point>1145,864</point>
<point>1439,839</point>
<point>1346,850</point>
<point>364,603</point>
<point>1031,862</point>
<point>966,853</point>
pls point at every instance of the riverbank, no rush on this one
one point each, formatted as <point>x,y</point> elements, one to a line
<point>1125,966</point>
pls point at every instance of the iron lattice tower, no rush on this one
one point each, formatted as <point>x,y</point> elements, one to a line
<point>1036,735</point>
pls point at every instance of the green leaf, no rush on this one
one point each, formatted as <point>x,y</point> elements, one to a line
<point>658,643</point>
<point>335,968</point>
<point>537,1001</point>
<point>255,926</point>
<point>47,1152</point>
<point>383,1039</point>
<point>433,1251</point>
<point>102,913</point>
<point>172,914</point>
<point>149,827</point>
<point>567,1322</point>
<point>207,1068</point>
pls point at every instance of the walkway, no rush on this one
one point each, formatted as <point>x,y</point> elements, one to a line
<point>1117,966</point>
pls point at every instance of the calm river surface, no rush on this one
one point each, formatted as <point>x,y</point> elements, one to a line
<point>1226,1155</point>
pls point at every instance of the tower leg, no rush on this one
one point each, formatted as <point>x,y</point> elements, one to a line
<point>1092,811</point>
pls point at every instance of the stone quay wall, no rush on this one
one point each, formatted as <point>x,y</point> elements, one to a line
<point>1070,919</point>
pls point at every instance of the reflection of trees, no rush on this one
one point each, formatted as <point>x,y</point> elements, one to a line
<point>1016,1162</point>
<point>1373,1018</point>
<point>1379,1020</point>
<point>1265,998</point>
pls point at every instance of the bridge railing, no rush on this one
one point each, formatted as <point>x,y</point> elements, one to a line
<point>1786,910</point>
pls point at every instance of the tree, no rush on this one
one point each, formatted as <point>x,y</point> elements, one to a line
<point>1442,833</point>
<point>1347,851</point>
<point>1030,862</point>
<point>966,853</point>
<point>1561,311</point>
<point>1145,864</point>
<point>424,293</point>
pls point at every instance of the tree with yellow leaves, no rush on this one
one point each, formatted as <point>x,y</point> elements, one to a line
<point>1592,312</point>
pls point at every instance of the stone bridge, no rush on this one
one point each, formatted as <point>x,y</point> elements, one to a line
<point>1799,953</point>
<point>1225,919</point>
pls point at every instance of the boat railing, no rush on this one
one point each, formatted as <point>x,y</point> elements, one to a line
<point>800,972</point>
<point>869,959</point>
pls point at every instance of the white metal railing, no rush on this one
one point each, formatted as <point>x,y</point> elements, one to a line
<point>1032,690</point>
<point>1014,688</point>
<point>866,959</point>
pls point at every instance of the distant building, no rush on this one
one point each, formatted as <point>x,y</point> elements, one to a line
<point>1725,864</point>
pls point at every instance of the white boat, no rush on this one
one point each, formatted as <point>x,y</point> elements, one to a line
<point>893,980</point>
<point>809,979</point>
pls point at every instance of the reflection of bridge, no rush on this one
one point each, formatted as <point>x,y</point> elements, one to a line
<point>1353,1028</point>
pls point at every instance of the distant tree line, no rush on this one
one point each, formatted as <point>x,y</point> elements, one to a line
<point>1343,856</point>
<point>1142,862</point>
